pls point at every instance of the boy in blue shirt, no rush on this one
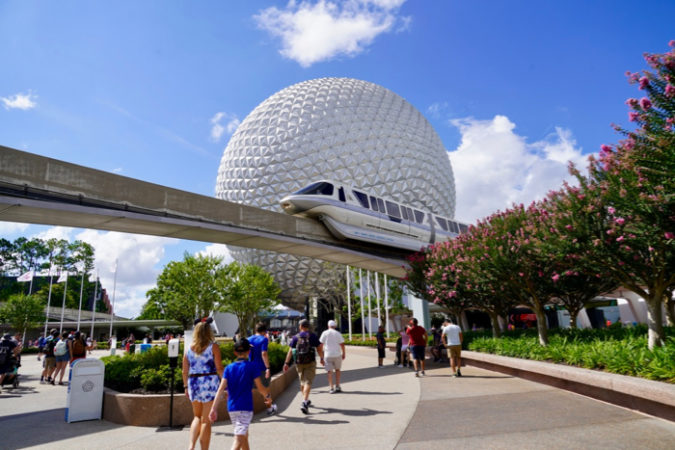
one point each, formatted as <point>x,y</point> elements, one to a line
<point>239,378</point>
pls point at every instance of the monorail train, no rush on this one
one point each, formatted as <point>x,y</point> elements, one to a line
<point>350,213</point>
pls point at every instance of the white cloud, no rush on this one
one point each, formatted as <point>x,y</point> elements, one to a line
<point>20,101</point>
<point>8,228</point>
<point>317,31</point>
<point>435,109</point>
<point>494,167</point>
<point>217,250</point>
<point>218,129</point>
<point>137,256</point>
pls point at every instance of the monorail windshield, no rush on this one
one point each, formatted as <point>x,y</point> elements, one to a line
<point>320,188</point>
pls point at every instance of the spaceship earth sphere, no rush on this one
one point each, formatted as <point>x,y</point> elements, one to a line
<point>341,129</point>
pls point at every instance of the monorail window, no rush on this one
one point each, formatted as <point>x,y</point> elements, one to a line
<point>392,210</point>
<point>341,194</point>
<point>373,202</point>
<point>404,212</point>
<point>411,217</point>
<point>453,226</point>
<point>362,198</point>
<point>419,216</point>
<point>380,205</point>
<point>441,221</point>
<point>320,188</point>
<point>463,228</point>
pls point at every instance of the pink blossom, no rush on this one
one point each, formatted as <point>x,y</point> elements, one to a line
<point>555,278</point>
<point>645,103</point>
<point>672,43</point>
<point>670,235</point>
<point>620,221</point>
<point>633,116</point>
<point>611,210</point>
<point>632,102</point>
<point>605,148</point>
<point>670,90</point>
<point>644,82</point>
<point>610,231</point>
<point>620,239</point>
<point>521,274</point>
<point>568,227</point>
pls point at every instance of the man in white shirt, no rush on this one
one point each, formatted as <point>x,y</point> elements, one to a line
<point>452,335</point>
<point>333,354</point>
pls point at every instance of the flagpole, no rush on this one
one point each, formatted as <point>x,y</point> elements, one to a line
<point>349,304</point>
<point>370,308</point>
<point>30,287</point>
<point>49,297</point>
<point>386,302</point>
<point>363,318</point>
<point>112,313</point>
<point>79,308</point>
<point>63,305</point>
<point>377,295</point>
<point>93,307</point>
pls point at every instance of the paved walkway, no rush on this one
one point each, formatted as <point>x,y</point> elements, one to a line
<point>379,409</point>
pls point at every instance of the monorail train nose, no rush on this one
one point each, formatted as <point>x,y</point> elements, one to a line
<point>288,206</point>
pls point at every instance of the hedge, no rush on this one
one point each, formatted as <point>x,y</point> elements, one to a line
<point>150,370</point>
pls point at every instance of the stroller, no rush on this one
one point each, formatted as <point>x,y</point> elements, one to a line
<point>11,366</point>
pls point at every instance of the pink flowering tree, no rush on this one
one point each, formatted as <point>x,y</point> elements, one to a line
<point>623,212</point>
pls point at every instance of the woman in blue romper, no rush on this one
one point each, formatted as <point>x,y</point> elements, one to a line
<point>202,370</point>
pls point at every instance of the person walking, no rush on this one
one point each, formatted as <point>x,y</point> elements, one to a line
<point>49,362</point>
<point>333,354</point>
<point>381,345</point>
<point>418,344</point>
<point>8,351</point>
<point>42,340</point>
<point>62,357</point>
<point>305,344</point>
<point>259,358</point>
<point>453,337</point>
<point>202,369</point>
<point>77,347</point>
<point>238,379</point>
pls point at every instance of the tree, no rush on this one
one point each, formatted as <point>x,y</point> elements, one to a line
<point>624,210</point>
<point>247,291</point>
<point>187,289</point>
<point>22,312</point>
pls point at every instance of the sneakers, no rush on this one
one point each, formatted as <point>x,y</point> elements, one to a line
<point>459,374</point>
<point>332,391</point>
<point>400,365</point>
<point>424,374</point>
<point>338,389</point>
<point>417,374</point>
<point>272,410</point>
<point>305,408</point>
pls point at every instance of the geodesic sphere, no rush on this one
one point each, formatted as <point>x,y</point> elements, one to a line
<point>343,129</point>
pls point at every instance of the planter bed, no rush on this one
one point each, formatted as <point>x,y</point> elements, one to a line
<point>153,410</point>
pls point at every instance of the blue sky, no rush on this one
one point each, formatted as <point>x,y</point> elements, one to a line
<point>153,90</point>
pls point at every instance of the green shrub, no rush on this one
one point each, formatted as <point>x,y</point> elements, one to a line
<point>614,349</point>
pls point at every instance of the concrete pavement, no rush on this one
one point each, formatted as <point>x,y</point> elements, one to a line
<point>379,409</point>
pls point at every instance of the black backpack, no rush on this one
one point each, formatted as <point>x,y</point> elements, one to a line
<point>49,348</point>
<point>4,355</point>
<point>304,352</point>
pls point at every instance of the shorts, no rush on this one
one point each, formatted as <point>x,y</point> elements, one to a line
<point>306,373</point>
<point>50,362</point>
<point>241,420</point>
<point>380,352</point>
<point>333,363</point>
<point>418,352</point>
<point>63,358</point>
<point>454,351</point>
<point>264,380</point>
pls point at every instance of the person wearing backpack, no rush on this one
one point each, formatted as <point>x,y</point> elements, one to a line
<point>77,347</point>
<point>306,345</point>
<point>49,363</point>
<point>62,357</point>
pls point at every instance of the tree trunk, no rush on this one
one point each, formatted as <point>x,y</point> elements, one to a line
<point>503,323</point>
<point>541,323</point>
<point>494,319</point>
<point>655,321</point>
<point>573,317</point>
<point>670,309</point>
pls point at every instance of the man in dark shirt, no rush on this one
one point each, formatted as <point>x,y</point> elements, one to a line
<point>305,344</point>
<point>381,345</point>
<point>8,350</point>
<point>418,343</point>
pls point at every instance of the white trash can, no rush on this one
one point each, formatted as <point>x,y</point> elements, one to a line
<point>85,390</point>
